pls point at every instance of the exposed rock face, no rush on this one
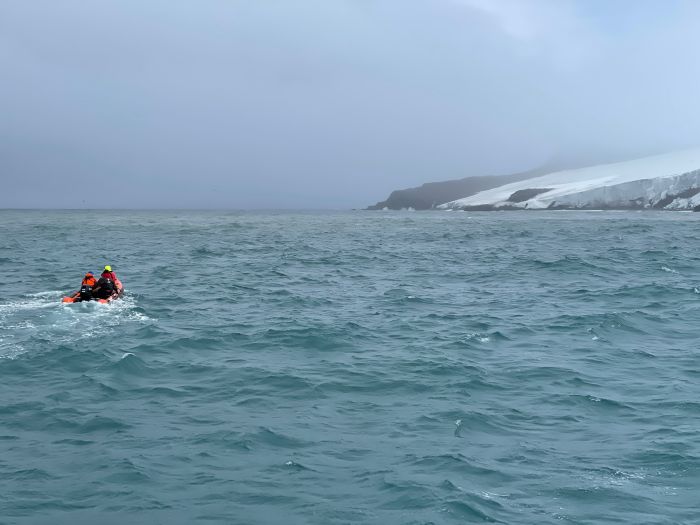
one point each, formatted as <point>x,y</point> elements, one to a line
<point>663,182</point>
<point>668,199</point>
<point>683,200</point>
<point>523,195</point>
<point>429,195</point>
<point>432,194</point>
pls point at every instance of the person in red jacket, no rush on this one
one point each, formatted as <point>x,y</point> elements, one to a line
<point>107,272</point>
<point>108,284</point>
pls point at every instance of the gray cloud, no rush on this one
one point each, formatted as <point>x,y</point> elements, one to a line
<point>326,103</point>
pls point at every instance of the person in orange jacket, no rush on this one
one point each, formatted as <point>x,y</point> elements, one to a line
<point>86,288</point>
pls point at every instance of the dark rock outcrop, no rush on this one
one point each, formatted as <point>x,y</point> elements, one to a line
<point>432,194</point>
<point>686,194</point>
<point>524,195</point>
<point>630,204</point>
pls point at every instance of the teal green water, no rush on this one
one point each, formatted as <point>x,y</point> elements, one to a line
<point>336,368</point>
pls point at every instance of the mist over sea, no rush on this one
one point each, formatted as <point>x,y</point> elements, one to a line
<point>351,367</point>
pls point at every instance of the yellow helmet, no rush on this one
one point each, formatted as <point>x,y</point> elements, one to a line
<point>108,268</point>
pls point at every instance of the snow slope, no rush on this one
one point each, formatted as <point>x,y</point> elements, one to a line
<point>664,181</point>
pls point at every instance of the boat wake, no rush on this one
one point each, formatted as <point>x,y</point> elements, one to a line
<point>41,317</point>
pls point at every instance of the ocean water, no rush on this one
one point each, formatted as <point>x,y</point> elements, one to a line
<point>354,367</point>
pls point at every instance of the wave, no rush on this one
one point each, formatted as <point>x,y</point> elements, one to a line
<point>41,317</point>
<point>342,368</point>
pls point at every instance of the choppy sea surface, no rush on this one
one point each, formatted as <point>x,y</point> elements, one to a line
<point>351,367</point>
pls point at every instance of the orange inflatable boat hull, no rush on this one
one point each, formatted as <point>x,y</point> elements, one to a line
<point>75,298</point>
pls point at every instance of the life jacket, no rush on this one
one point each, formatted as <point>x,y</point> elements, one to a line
<point>86,288</point>
<point>106,284</point>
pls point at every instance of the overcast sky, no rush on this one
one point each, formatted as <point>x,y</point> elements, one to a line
<point>328,103</point>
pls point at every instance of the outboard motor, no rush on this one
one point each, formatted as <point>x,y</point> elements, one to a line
<point>86,292</point>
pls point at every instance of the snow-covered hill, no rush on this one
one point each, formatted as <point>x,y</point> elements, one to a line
<point>670,181</point>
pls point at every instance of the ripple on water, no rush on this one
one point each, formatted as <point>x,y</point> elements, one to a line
<point>338,368</point>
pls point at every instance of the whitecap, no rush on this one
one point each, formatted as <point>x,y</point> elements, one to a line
<point>45,294</point>
<point>479,337</point>
<point>62,323</point>
<point>491,495</point>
